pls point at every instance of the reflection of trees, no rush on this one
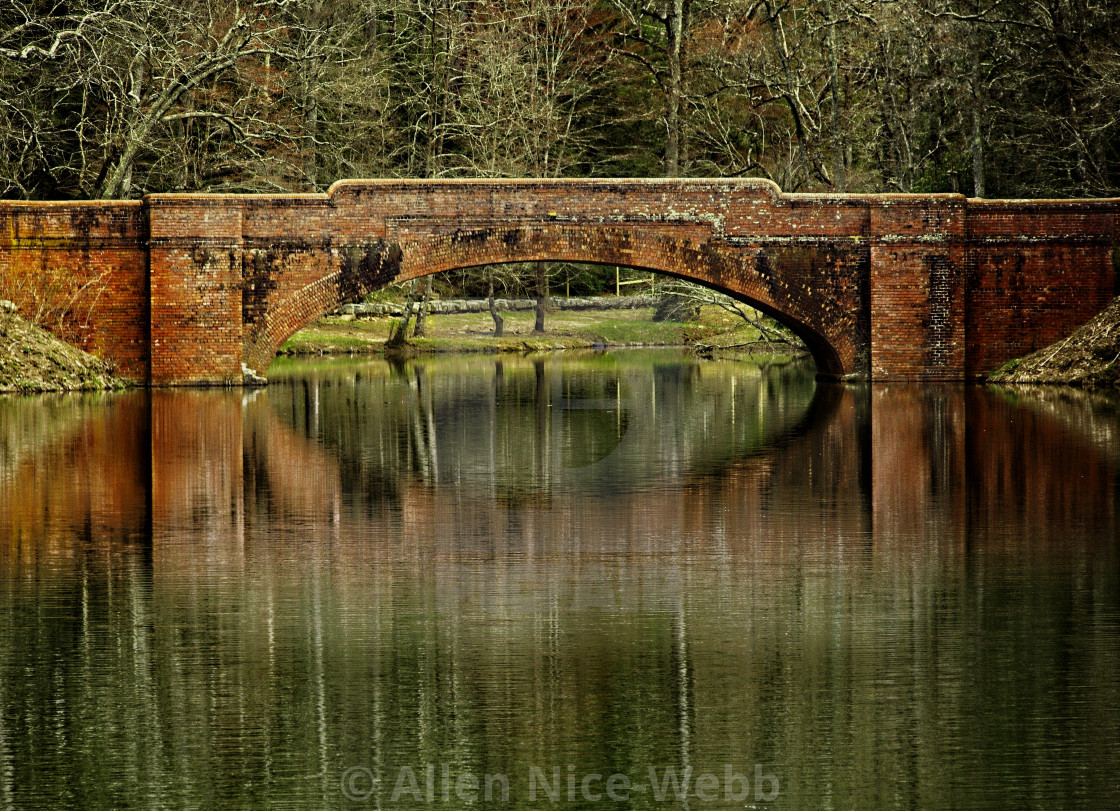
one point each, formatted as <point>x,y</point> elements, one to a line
<point>486,450</point>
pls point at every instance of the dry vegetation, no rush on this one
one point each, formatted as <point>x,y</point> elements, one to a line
<point>33,360</point>
<point>52,297</point>
<point>44,297</point>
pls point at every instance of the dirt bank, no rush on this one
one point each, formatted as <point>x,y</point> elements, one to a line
<point>33,360</point>
<point>1090,357</point>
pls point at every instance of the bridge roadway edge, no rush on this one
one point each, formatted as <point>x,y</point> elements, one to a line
<point>192,289</point>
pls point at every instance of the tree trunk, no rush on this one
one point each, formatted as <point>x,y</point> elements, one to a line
<point>674,31</point>
<point>790,93</point>
<point>422,313</point>
<point>542,296</point>
<point>838,179</point>
<point>977,103</point>
<point>311,126</point>
<point>399,336</point>
<point>499,322</point>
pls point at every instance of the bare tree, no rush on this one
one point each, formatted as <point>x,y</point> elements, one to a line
<point>150,61</point>
<point>519,96</point>
<point>499,322</point>
<point>118,98</point>
<point>655,35</point>
<point>422,308</point>
<point>520,88</point>
<point>137,95</point>
<point>694,295</point>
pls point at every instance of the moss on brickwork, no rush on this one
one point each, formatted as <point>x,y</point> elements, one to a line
<point>32,360</point>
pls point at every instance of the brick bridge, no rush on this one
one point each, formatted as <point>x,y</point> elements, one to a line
<point>192,289</point>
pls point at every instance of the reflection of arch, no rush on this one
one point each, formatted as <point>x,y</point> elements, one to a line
<point>507,420</point>
<point>701,463</point>
<point>762,276</point>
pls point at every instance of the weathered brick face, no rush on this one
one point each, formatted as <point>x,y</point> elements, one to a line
<point>94,257</point>
<point>1037,270</point>
<point>896,287</point>
<point>196,284</point>
<point>917,287</point>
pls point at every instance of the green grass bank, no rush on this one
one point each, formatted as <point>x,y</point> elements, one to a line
<point>473,332</point>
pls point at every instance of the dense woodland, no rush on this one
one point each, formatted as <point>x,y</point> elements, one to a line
<point>118,98</point>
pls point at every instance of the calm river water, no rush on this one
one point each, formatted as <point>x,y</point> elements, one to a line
<point>630,579</point>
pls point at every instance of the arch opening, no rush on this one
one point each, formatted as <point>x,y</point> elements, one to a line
<point>752,277</point>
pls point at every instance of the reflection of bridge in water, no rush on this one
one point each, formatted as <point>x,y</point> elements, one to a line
<point>520,428</point>
<point>322,553</point>
<point>416,461</point>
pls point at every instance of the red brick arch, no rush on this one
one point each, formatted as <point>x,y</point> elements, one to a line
<point>749,277</point>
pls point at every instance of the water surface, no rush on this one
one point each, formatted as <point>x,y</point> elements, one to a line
<point>559,569</point>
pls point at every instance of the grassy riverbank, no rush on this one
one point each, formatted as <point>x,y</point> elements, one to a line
<point>473,332</point>
<point>33,360</point>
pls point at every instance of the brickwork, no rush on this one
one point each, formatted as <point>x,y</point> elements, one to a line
<point>917,287</point>
<point>1039,269</point>
<point>94,257</point>
<point>197,288</point>
<point>195,271</point>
